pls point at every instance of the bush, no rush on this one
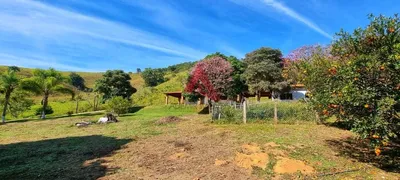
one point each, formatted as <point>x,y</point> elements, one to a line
<point>69,113</point>
<point>48,110</point>
<point>288,112</point>
<point>153,77</point>
<point>227,113</point>
<point>118,105</point>
<point>230,114</point>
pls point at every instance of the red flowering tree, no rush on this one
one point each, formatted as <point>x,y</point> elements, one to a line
<point>211,77</point>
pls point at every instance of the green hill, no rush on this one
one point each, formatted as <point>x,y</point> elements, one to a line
<point>90,77</point>
<point>145,96</point>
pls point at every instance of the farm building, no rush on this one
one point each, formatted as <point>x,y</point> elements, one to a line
<point>296,92</point>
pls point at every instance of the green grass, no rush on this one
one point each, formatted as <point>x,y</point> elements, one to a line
<point>56,149</point>
<point>132,124</point>
<point>147,96</point>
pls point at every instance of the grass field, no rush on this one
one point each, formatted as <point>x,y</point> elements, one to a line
<point>136,148</point>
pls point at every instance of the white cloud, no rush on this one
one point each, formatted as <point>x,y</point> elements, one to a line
<point>32,18</point>
<point>189,25</point>
<point>290,12</point>
<point>11,60</point>
<point>259,6</point>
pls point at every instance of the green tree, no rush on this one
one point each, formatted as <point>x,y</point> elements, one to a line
<point>19,102</point>
<point>115,83</point>
<point>368,66</point>
<point>264,72</point>
<point>77,81</point>
<point>153,77</point>
<point>118,105</point>
<point>47,82</point>
<point>9,81</point>
<point>358,82</point>
<point>313,66</point>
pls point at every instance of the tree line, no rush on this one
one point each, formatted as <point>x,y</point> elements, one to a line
<point>17,90</point>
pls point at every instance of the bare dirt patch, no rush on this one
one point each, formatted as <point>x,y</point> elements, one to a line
<point>290,166</point>
<point>220,162</point>
<point>194,150</point>
<point>169,119</point>
<point>254,156</point>
<point>250,148</point>
<point>251,156</point>
<point>178,155</point>
<point>248,161</point>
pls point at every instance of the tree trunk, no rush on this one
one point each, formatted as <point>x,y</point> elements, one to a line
<point>95,103</point>
<point>210,108</point>
<point>274,98</point>
<point>6,101</point>
<point>45,102</point>
<point>258,94</point>
<point>77,106</point>
<point>275,112</point>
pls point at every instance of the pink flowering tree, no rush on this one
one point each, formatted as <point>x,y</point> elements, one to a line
<point>211,77</point>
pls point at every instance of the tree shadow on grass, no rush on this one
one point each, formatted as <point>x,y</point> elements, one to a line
<point>88,114</point>
<point>339,124</point>
<point>64,158</point>
<point>389,160</point>
<point>205,110</point>
<point>135,109</point>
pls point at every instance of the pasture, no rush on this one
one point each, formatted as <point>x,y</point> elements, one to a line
<point>194,148</point>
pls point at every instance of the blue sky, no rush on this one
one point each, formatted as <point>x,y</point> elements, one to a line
<point>96,35</point>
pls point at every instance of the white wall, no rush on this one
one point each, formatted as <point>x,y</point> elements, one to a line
<point>298,94</point>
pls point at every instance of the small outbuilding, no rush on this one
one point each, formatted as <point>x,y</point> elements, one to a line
<point>297,92</point>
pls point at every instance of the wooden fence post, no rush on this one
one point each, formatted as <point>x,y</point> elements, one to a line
<point>219,113</point>
<point>166,99</point>
<point>244,111</point>
<point>275,112</point>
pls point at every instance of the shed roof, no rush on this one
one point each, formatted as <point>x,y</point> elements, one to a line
<point>176,94</point>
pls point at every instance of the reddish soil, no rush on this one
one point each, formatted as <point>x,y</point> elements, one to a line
<point>194,151</point>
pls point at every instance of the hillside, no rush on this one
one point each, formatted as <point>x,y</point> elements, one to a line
<point>145,96</point>
<point>90,77</point>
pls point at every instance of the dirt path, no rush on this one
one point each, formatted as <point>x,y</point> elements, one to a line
<point>193,151</point>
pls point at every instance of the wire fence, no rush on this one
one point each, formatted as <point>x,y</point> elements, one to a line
<point>286,112</point>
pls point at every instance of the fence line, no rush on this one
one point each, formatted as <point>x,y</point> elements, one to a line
<point>287,111</point>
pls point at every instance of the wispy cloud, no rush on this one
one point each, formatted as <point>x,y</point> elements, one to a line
<point>12,60</point>
<point>260,5</point>
<point>290,12</point>
<point>189,25</point>
<point>47,25</point>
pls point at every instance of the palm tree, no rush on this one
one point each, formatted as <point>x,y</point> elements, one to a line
<point>45,83</point>
<point>9,81</point>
